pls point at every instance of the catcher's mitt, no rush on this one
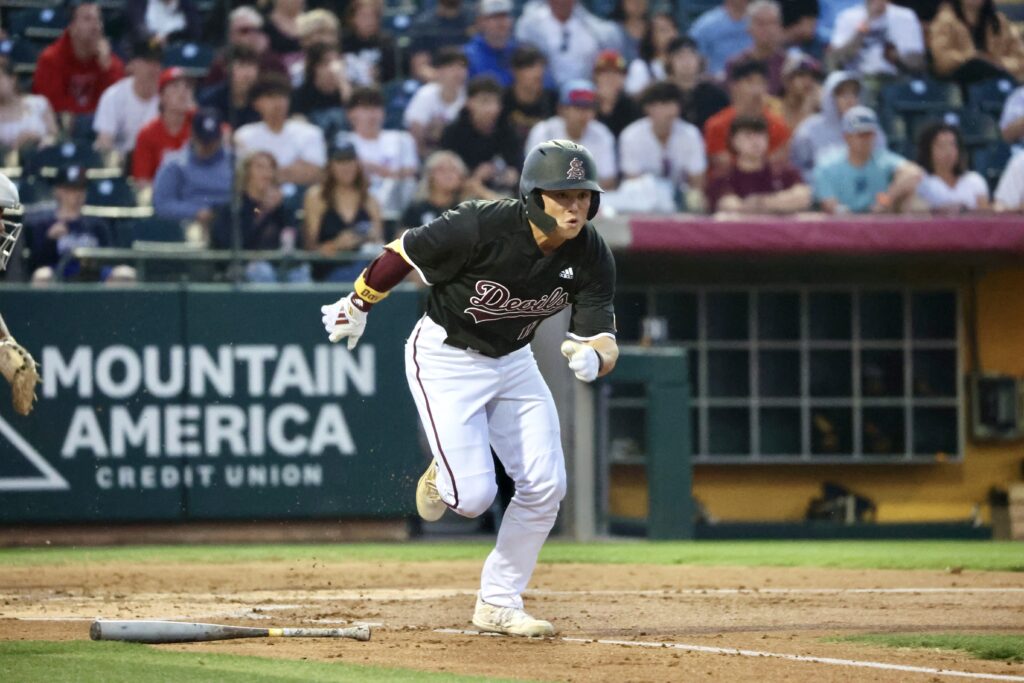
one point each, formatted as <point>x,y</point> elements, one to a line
<point>20,369</point>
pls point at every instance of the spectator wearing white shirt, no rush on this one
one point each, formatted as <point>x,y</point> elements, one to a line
<point>949,185</point>
<point>650,65</point>
<point>661,143</point>
<point>297,146</point>
<point>1010,190</point>
<point>388,156</point>
<point>576,121</point>
<point>25,120</point>
<point>130,103</point>
<point>1011,122</point>
<point>878,38</point>
<point>435,105</point>
<point>568,35</point>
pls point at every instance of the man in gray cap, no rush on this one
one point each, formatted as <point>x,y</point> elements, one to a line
<point>863,178</point>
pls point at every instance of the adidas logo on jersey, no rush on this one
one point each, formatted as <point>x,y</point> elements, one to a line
<point>566,274</point>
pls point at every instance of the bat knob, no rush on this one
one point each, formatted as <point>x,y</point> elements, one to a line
<point>363,633</point>
<point>95,631</point>
<point>568,348</point>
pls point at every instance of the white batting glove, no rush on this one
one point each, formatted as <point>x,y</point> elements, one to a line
<point>583,360</point>
<point>344,319</point>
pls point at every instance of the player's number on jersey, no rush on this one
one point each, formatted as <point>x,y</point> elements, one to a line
<point>528,330</point>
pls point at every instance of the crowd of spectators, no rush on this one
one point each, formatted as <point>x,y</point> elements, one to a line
<point>330,132</point>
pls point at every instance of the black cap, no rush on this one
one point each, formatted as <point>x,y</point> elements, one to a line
<point>206,125</point>
<point>73,175</point>
<point>344,151</point>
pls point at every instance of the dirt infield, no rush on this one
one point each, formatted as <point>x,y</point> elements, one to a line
<point>781,612</point>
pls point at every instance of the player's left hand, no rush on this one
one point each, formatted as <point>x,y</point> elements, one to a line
<point>343,319</point>
<point>583,360</point>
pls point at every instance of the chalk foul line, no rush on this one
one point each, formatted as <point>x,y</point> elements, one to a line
<point>831,661</point>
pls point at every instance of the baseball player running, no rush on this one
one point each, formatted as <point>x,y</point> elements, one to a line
<point>16,364</point>
<point>497,269</point>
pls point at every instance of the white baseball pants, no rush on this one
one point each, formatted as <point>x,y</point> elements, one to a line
<point>469,403</point>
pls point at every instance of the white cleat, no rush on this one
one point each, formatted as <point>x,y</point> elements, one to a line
<point>510,621</point>
<point>428,501</point>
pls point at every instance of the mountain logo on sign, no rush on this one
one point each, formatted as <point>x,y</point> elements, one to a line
<point>49,479</point>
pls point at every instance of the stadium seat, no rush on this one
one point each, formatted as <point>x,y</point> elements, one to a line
<point>80,128</point>
<point>602,8</point>
<point>920,95</point>
<point>45,161</point>
<point>990,162</point>
<point>23,54</point>
<point>42,24</point>
<point>330,121</point>
<point>397,94</point>
<point>194,58</point>
<point>110,192</point>
<point>989,96</point>
<point>1014,11</point>
<point>896,132</point>
<point>156,230</point>
<point>976,128</point>
<point>294,196</point>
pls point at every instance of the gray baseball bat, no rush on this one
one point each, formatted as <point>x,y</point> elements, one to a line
<point>144,631</point>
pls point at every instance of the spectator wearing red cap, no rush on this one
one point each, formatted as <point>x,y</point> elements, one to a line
<point>650,65</point>
<point>75,70</point>
<point>614,108</point>
<point>168,131</point>
<point>575,121</point>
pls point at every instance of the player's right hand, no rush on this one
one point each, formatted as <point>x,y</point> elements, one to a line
<point>344,319</point>
<point>583,359</point>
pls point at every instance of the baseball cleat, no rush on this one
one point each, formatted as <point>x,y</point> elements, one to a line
<point>510,621</point>
<point>428,501</point>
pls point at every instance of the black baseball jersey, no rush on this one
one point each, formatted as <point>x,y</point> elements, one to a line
<point>492,285</point>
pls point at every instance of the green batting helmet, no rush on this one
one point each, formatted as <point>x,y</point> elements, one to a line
<point>557,165</point>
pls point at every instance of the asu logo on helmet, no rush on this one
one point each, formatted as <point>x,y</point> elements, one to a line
<point>557,165</point>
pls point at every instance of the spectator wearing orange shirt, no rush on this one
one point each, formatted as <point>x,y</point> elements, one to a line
<point>75,70</point>
<point>168,131</point>
<point>748,89</point>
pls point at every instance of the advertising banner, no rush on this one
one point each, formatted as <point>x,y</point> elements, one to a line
<point>206,402</point>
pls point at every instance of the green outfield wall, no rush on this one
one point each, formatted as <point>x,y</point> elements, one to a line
<point>206,402</point>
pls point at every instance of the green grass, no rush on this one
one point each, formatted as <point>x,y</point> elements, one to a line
<point>971,555</point>
<point>986,646</point>
<point>88,662</point>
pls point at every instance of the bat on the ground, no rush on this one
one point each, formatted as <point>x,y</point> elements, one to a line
<point>143,631</point>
